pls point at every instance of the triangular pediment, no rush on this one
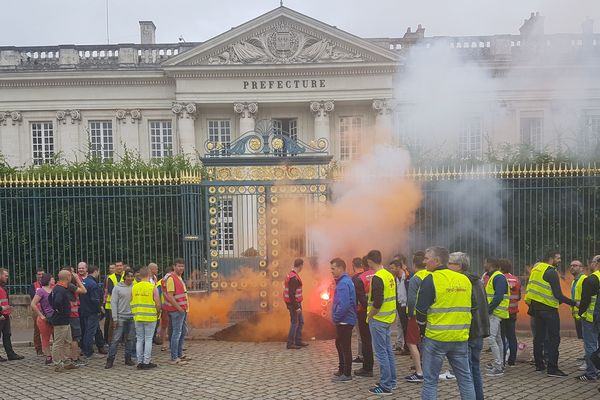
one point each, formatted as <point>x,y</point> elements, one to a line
<point>283,36</point>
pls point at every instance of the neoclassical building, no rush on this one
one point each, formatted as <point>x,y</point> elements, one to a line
<point>307,79</point>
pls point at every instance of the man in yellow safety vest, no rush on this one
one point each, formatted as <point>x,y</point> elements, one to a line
<point>145,306</point>
<point>443,311</point>
<point>381,314</point>
<point>544,295</point>
<point>589,321</point>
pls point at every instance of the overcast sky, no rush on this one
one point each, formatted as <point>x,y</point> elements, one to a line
<point>49,22</point>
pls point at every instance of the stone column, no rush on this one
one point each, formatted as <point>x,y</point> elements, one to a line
<point>383,122</point>
<point>186,130</point>
<point>68,128</point>
<point>247,112</point>
<point>321,110</point>
<point>12,145</point>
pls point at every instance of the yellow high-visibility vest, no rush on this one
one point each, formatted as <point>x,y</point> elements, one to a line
<point>589,313</point>
<point>449,317</point>
<point>387,312</point>
<point>421,274</point>
<point>502,309</point>
<point>113,278</point>
<point>142,302</point>
<point>577,297</point>
<point>539,289</point>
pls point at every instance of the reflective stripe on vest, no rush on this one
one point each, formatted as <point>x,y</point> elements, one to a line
<point>387,312</point>
<point>142,302</point>
<point>286,289</point>
<point>577,295</point>
<point>501,310</point>
<point>113,278</point>
<point>538,289</point>
<point>589,313</point>
<point>180,294</point>
<point>449,317</point>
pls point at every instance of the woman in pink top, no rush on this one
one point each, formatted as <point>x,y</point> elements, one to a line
<point>41,306</point>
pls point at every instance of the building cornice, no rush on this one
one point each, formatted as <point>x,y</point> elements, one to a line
<point>97,78</point>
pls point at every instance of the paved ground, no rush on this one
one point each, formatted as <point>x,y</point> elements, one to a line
<point>222,370</point>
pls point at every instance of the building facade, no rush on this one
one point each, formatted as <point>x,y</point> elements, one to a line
<point>283,70</point>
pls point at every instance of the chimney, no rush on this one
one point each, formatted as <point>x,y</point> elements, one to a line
<point>147,32</point>
<point>587,27</point>
<point>534,26</point>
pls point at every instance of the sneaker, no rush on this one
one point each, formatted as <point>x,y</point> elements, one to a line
<point>178,361</point>
<point>39,353</point>
<point>109,362</point>
<point>48,361</point>
<point>14,357</point>
<point>511,364</point>
<point>447,376</point>
<point>59,367</point>
<point>185,358</point>
<point>358,360</point>
<point>378,390</point>
<point>102,350</point>
<point>583,366</point>
<point>80,362</point>
<point>341,378</point>
<point>338,373</point>
<point>540,369</point>
<point>585,378</point>
<point>71,366</point>
<point>557,374</point>
<point>414,378</point>
<point>363,372</point>
<point>151,365</point>
<point>292,347</point>
<point>394,385</point>
<point>489,365</point>
<point>141,366</point>
<point>2,359</point>
<point>301,344</point>
<point>495,372</point>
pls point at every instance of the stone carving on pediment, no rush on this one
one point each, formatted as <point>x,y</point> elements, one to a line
<point>283,44</point>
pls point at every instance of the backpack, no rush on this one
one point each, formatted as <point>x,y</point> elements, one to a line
<point>52,317</point>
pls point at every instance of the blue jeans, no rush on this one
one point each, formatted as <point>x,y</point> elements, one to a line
<point>125,328</point>
<point>475,346</point>
<point>178,326</point>
<point>296,324</point>
<point>381,338</point>
<point>144,332</point>
<point>90,322</point>
<point>457,353</point>
<point>590,344</point>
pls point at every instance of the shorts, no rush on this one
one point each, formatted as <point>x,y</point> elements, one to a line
<point>75,329</point>
<point>164,319</point>
<point>413,333</point>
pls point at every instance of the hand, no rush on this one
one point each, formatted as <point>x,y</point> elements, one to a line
<point>299,311</point>
<point>6,308</point>
<point>115,324</point>
<point>2,318</point>
<point>42,317</point>
<point>179,309</point>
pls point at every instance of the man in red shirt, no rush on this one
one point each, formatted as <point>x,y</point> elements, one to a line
<point>514,284</point>
<point>5,311</point>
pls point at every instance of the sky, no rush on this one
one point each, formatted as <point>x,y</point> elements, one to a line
<point>51,22</point>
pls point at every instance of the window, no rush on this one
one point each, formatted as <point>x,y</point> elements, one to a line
<point>42,134</point>
<point>101,140</point>
<point>219,131</point>
<point>287,127</point>
<point>350,136</point>
<point>161,139</point>
<point>225,226</point>
<point>531,132</point>
<point>469,145</point>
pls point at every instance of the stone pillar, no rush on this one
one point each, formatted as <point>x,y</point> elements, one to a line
<point>128,121</point>
<point>383,122</point>
<point>247,112</point>
<point>68,125</point>
<point>321,110</point>
<point>186,130</point>
<point>11,138</point>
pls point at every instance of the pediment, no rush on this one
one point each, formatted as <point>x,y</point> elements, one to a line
<point>283,36</point>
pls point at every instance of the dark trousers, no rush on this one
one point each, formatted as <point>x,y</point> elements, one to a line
<point>98,338</point>
<point>108,326</point>
<point>578,329</point>
<point>296,324</point>
<point>343,344</point>
<point>547,328</point>
<point>6,334</point>
<point>509,330</point>
<point>403,317</point>
<point>87,341</point>
<point>365,338</point>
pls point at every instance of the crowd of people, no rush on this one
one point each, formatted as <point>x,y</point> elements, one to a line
<point>138,309</point>
<point>443,311</point>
